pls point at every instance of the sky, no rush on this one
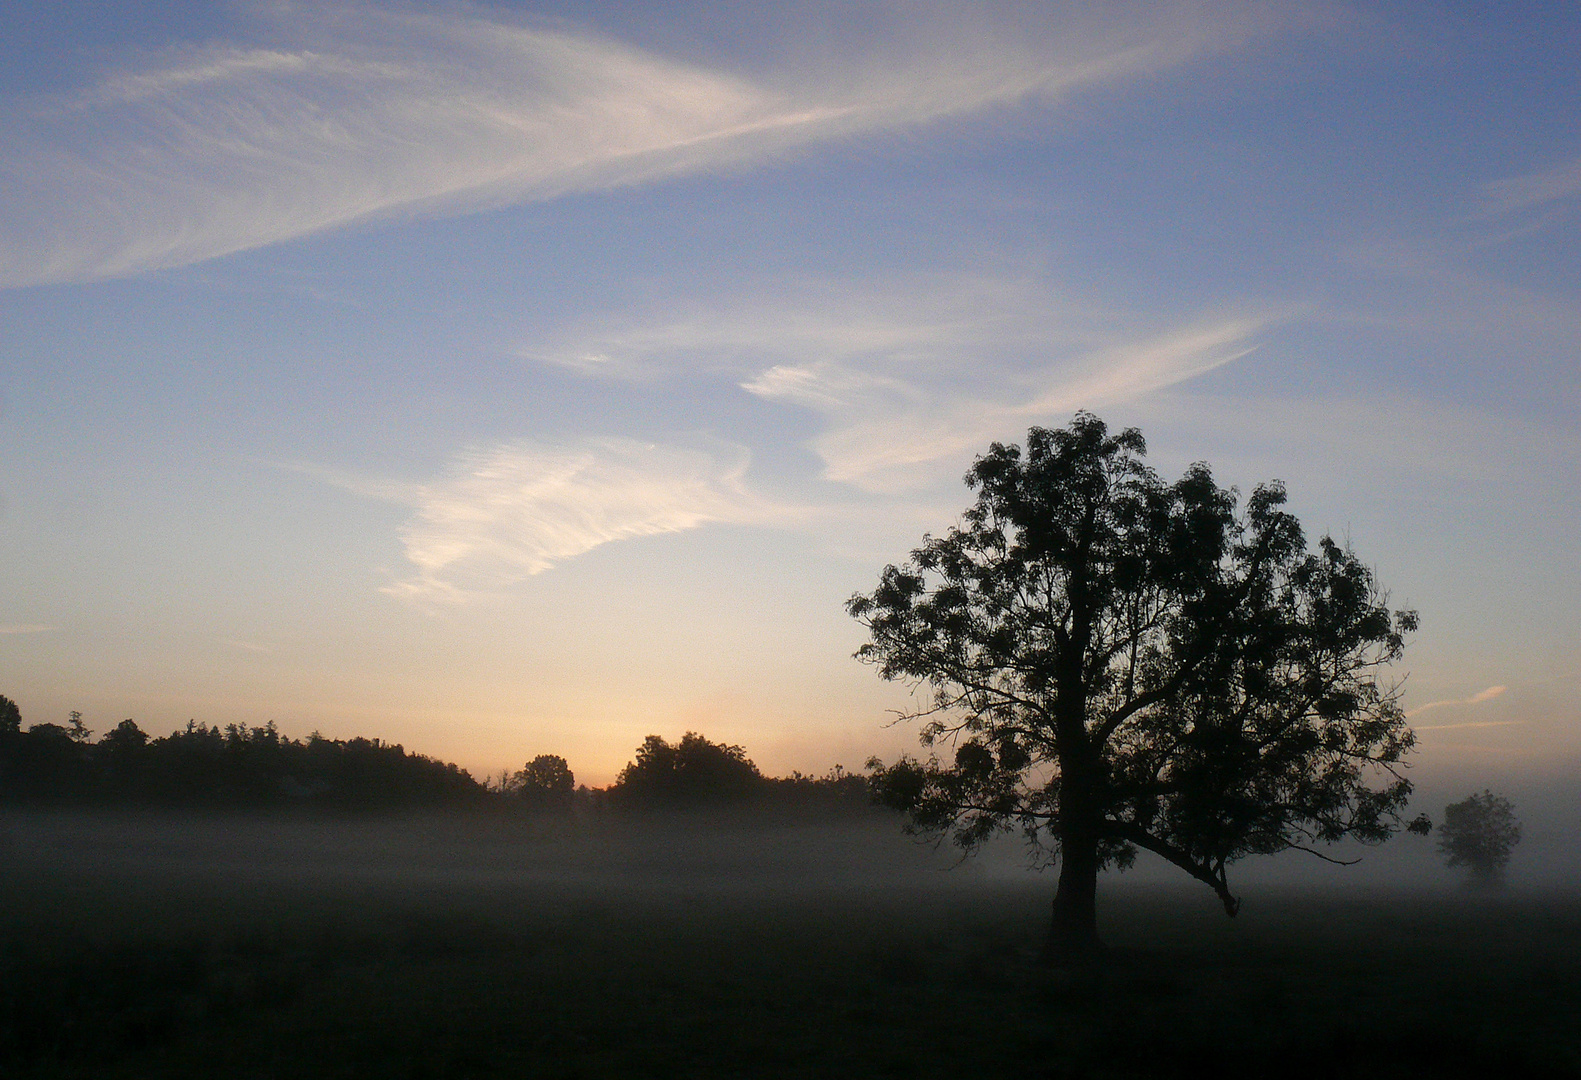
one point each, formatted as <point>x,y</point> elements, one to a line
<point>503,379</point>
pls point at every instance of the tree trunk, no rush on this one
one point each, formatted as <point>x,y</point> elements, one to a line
<point>1073,934</point>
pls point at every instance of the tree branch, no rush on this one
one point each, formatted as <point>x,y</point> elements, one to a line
<point>1320,855</point>
<point>1135,834</point>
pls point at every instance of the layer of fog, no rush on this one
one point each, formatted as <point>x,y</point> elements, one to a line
<point>680,856</point>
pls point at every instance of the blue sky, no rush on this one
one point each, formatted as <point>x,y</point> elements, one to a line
<point>513,379</point>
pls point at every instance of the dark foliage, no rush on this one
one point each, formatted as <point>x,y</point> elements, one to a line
<point>1120,663</point>
<point>545,782</point>
<point>255,768</point>
<point>834,790</point>
<point>10,718</point>
<point>235,767</point>
<point>693,772</point>
<point>1480,833</point>
<point>696,774</point>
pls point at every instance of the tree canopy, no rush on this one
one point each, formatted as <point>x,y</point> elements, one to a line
<point>10,718</point>
<point>546,781</point>
<point>234,767</point>
<point>692,772</point>
<point>1119,663</point>
<point>241,768</point>
<point>1480,833</point>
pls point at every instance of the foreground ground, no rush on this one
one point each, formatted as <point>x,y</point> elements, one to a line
<point>158,947</point>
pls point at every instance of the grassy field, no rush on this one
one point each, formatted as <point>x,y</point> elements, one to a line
<point>455,948</point>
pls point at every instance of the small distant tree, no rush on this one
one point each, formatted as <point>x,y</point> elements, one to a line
<point>80,732</point>
<point>1480,833</point>
<point>546,780</point>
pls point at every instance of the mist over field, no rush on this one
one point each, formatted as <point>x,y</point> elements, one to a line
<point>677,855</point>
<point>685,944</point>
<point>745,851</point>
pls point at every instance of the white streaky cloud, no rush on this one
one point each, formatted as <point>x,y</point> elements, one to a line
<point>890,449</point>
<point>515,509</point>
<point>26,628</point>
<point>909,375</point>
<point>918,320</point>
<point>1470,724</point>
<point>377,113</point>
<point>1475,699</point>
<point>1153,363</point>
<point>1514,193</point>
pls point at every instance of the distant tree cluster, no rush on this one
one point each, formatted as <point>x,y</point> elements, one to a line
<point>697,773</point>
<point>239,767</point>
<point>232,767</point>
<point>691,772</point>
<point>834,790</point>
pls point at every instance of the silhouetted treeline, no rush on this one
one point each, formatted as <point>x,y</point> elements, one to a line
<point>696,774</point>
<point>235,767</point>
<point>249,768</point>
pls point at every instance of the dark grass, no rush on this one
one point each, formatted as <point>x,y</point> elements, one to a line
<point>448,959</point>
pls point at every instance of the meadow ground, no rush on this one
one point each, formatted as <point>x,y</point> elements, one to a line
<point>199,947</point>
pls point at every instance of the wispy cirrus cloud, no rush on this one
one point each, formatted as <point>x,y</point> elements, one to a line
<point>1471,724</point>
<point>1534,189</point>
<point>1475,699</point>
<point>883,433</point>
<point>373,112</point>
<point>908,375</point>
<point>919,320</point>
<point>514,509</point>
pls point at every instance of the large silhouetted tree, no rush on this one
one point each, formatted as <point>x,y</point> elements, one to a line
<point>1480,833</point>
<point>1121,663</point>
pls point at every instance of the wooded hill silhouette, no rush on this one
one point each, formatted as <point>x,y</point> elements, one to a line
<point>257,768</point>
<point>235,767</point>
